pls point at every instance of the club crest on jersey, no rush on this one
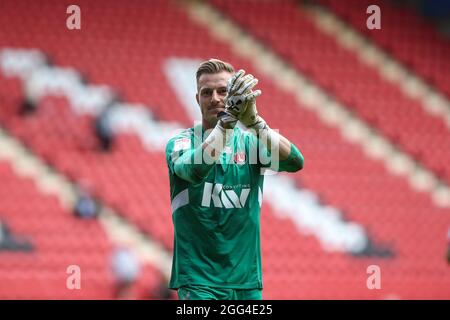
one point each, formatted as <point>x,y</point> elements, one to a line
<point>239,158</point>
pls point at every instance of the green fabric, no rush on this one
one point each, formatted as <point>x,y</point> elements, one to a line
<point>209,293</point>
<point>216,212</point>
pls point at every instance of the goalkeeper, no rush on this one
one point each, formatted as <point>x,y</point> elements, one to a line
<point>216,188</point>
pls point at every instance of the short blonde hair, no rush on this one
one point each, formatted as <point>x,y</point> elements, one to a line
<point>212,66</point>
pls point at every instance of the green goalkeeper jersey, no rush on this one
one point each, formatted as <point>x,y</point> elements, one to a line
<point>216,210</point>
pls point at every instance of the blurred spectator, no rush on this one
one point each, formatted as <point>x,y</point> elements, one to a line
<point>448,245</point>
<point>162,291</point>
<point>32,91</point>
<point>103,128</point>
<point>436,11</point>
<point>10,242</point>
<point>28,106</point>
<point>126,270</point>
<point>31,97</point>
<point>85,205</point>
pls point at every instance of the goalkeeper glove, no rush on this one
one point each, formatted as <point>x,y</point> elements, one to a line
<point>250,117</point>
<point>240,102</point>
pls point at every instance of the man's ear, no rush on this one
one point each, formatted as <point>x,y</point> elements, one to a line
<point>196,98</point>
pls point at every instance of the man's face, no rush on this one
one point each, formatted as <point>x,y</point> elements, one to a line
<point>212,89</point>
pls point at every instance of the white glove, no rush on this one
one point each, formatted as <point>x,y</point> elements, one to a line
<point>250,117</point>
<point>239,98</point>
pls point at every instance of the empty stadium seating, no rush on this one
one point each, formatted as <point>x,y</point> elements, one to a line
<point>59,241</point>
<point>290,32</point>
<point>410,38</point>
<point>134,180</point>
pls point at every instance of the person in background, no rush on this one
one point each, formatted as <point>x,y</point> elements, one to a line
<point>10,242</point>
<point>448,245</point>
<point>126,270</point>
<point>86,206</point>
<point>103,129</point>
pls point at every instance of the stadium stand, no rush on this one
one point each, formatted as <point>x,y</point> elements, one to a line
<point>46,241</point>
<point>59,241</point>
<point>358,86</point>
<point>411,39</point>
<point>132,179</point>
